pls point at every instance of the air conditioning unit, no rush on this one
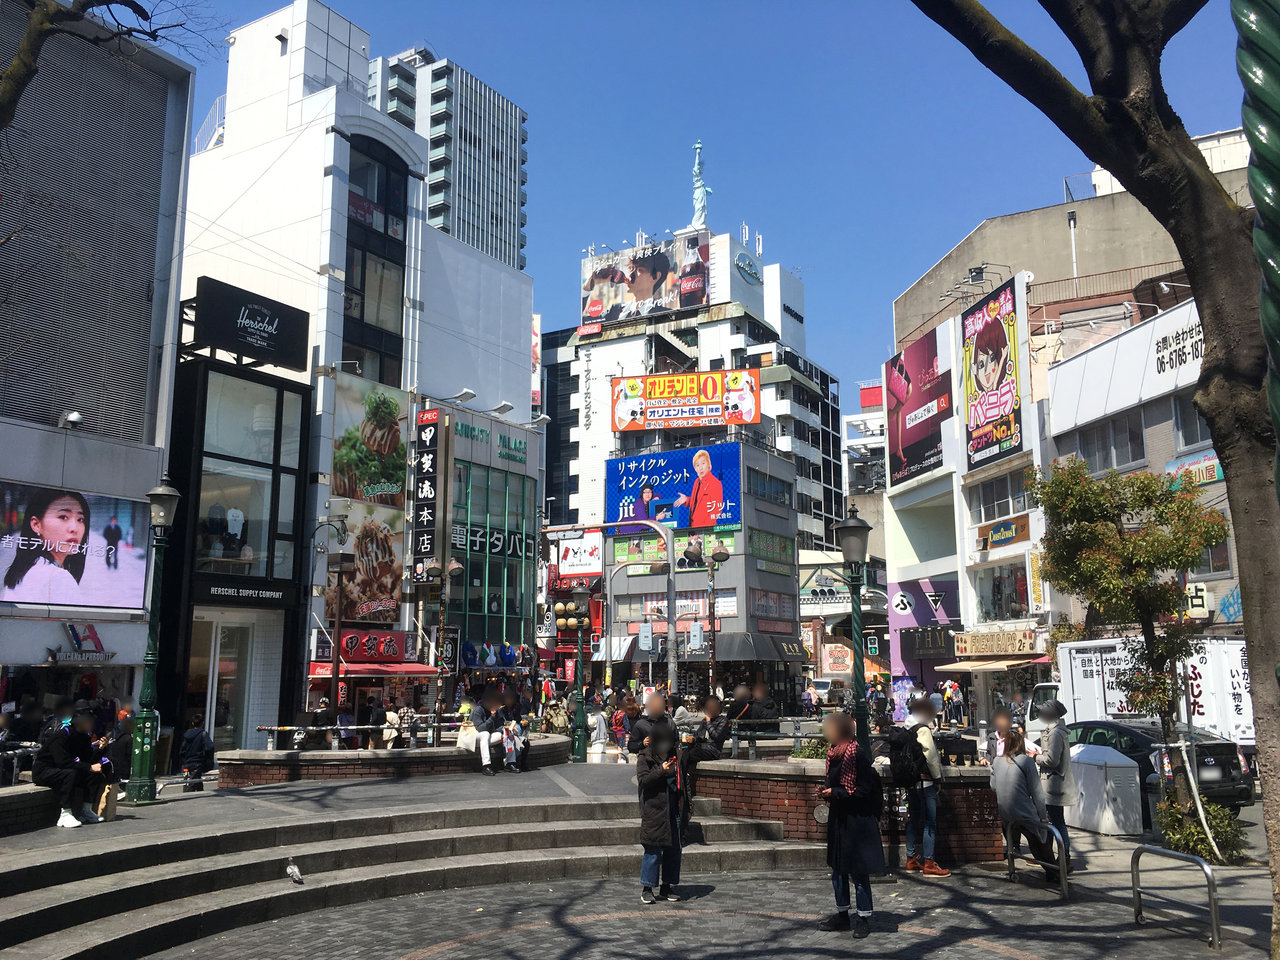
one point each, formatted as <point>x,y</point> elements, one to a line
<point>983,543</point>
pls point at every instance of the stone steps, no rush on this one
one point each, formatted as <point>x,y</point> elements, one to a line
<point>166,889</point>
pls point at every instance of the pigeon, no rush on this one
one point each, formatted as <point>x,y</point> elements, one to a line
<point>293,872</point>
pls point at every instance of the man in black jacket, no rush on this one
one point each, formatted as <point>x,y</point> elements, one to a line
<point>655,715</point>
<point>708,744</point>
<point>486,717</point>
<point>70,763</point>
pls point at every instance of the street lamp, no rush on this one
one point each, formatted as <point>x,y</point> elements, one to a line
<point>853,534</point>
<point>142,778</point>
<point>434,571</point>
<point>693,553</point>
<point>576,615</point>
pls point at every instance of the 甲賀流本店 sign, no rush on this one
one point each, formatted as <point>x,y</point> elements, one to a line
<point>995,643</point>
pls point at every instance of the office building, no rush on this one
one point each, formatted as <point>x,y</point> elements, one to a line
<point>476,172</point>
<point>95,177</point>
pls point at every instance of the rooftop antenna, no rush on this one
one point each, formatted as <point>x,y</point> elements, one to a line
<point>746,233</point>
<point>759,244</point>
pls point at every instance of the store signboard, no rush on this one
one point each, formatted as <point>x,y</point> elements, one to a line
<point>996,643</point>
<point>102,643</point>
<point>927,643</point>
<point>583,557</point>
<point>1202,468</point>
<point>1003,533</point>
<point>933,601</point>
<point>248,325</point>
<point>646,551</point>
<point>69,548</point>
<point>426,492</point>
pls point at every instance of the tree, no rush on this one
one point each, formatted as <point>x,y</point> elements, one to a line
<point>1123,544</point>
<point>115,23</point>
<point>1127,125</point>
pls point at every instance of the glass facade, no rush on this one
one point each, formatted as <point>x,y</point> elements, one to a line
<point>1002,592</point>
<point>493,532</point>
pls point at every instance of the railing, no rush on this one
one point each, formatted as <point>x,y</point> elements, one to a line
<point>25,749</point>
<point>1061,864</point>
<point>1109,283</point>
<point>1215,930</point>
<point>737,734</point>
<point>214,121</point>
<point>428,723</point>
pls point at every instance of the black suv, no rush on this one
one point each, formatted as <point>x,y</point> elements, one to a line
<point>1222,774</point>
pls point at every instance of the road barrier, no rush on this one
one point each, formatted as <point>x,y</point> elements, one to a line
<point>1215,930</point>
<point>1061,864</point>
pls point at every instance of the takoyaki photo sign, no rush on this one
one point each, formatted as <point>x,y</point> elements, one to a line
<point>992,377</point>
<point>711,398</point>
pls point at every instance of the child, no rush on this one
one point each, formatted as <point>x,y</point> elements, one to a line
<point>49,561</point>
<point>660,780</point>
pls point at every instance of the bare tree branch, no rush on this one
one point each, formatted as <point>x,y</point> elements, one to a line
<point>1024,69</point>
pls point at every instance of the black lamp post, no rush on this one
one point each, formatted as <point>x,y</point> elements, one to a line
<point>142,778</point>
<point>693,553</point>
<point>853,534</point>
<point>434,571</point>
<point>576,615</point>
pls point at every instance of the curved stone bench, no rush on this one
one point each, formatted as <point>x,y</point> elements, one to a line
<point>24,806</point>
<point>246,768</point>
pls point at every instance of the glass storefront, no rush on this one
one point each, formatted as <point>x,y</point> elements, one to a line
<point>493,535</point>
<point>1002,592</point>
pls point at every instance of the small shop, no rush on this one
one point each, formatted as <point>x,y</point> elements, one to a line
<point>382,664</point>
<point>82,659</point>
<point>1002,663</point>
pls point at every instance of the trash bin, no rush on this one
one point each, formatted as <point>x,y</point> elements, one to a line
<point>1110,792</point>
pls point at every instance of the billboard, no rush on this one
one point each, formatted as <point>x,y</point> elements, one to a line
<point>645,551</point>
<point>370,457</point>
<point>583,557</point>
<point>992,378</point>
<point>643,281</point>
<point>713,398</point>
<point>74,549</point>
<point>918,397</point>
<point>229,318</point>
<point>535,370</point>
<point>693,488</point>
<point>921,603</point>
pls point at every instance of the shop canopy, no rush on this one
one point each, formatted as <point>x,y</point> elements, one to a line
<point>621,651</point>
<point>988,664</point>
<point>323,671</point>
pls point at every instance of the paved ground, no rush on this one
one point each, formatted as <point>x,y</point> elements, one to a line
<point>727,917</point>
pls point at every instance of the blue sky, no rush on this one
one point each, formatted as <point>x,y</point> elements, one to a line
<point>856,136</point>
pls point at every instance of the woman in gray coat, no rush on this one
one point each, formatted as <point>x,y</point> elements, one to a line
<point>1054,760</point>
<point>1021,799</point>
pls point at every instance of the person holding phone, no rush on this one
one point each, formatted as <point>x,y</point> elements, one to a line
<point>661,784</point>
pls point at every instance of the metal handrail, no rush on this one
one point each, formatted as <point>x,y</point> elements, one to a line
<point>1061,864</point>
<point>1215,930</point>
<point>413,728</point>
<point>26,750</point>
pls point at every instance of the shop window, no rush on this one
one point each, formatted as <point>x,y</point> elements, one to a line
<point>1000,497</point>
<point>1214,561</point>
<point>1002,592</point>
<point>1190,427</point>
<point>235,516</point>
<point>240,419</point>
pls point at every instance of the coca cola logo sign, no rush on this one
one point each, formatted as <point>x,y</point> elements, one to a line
<point>595,308</point>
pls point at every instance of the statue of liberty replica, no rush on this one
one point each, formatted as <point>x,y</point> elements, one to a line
<point>700,190</point>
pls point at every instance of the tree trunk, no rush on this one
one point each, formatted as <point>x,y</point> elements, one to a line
<point>1182,780</point>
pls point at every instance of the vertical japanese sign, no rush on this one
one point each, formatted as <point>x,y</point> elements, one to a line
<point>992,377</point>
<point>426,482</point>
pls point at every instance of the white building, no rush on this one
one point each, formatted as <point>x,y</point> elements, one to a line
<point>864,442</point>
<point>477,162</point>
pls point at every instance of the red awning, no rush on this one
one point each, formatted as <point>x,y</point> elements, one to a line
<point>323,671</point>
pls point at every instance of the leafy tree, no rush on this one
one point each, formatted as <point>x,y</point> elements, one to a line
<point>1126,124</point>
<point>1123,543</point>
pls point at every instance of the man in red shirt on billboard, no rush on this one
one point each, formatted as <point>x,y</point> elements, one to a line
<point>707,499</point>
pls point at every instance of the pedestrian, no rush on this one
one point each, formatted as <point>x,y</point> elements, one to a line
<point>922,796</point>
<point>620,723</point>
<point>70,763</point>
<point>1021,799</point>
<point>1019,708</point>
<point>687,716</point>
<point>939,704</point>
<point>1054,760</point>
<point>855,800</point>
<point>661,784</point>
<point>654,718</point>
<point>810,699</point>
<point>486,717</point>
<point>555,719</point>
<point>196,755</point>
<point>705,743</point>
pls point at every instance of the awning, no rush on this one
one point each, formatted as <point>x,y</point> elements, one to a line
<point>324,671</point>
<point>743,647</point>
<point>984,665</point>
<point>621,650</point>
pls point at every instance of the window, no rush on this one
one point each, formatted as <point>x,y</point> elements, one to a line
<point>1002,592</point>
<point>998,498</point>
<point>1114,444</point>
<point>1190,427</point>
<point>768,488</point>
<point>1214,561</point>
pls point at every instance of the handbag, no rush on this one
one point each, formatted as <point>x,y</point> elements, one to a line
<point>467,737</point>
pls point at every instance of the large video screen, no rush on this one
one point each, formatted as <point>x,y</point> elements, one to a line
<point>693,488</point>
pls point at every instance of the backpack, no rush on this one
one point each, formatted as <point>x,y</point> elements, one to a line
<point>871,789</point>
<point>906,756</point>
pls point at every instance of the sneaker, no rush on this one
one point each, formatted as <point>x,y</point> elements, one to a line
<point>666,893</point>
<point>489,771</point>
<point>837,921</point>
<point>647,897</point>
<point>512,768</point>
<point>68,819</point>
<point>931,869</point>
<point>861,927</point>
<point>86,814</point>
<point>912,865</point>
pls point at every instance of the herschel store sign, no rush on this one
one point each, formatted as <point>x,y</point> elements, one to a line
<point>248,325</point>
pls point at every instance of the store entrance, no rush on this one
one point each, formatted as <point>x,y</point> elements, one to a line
<point>216,681</point>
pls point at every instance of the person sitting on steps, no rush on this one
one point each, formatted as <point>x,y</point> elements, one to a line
<point>70,763</point>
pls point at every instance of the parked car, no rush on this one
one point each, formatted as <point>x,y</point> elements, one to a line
<point>1222,771</point>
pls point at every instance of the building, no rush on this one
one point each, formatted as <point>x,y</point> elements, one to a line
<point>559,385</point>
<point>476,173</point>
<point>323,317</point>
<point>1125,404</point>
<point>95,171</point>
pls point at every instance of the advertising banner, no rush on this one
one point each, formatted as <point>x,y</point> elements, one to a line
<point>535,370</point>
<point>370,457</point>
<point>920,603</point>
<point>992,378</point>
<point>74,549</point>
<point>713,398</point>
<point>919,400</point>
<point>426,491</point>
<point>698,488</point>
<point>643,281</point>
<point>229,318</point>
<point>644,551</point>
<point>583,557</point>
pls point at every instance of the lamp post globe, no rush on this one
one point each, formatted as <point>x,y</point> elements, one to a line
<point>581,619</point>
<point>142,780</point>
<point>853,534</point>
